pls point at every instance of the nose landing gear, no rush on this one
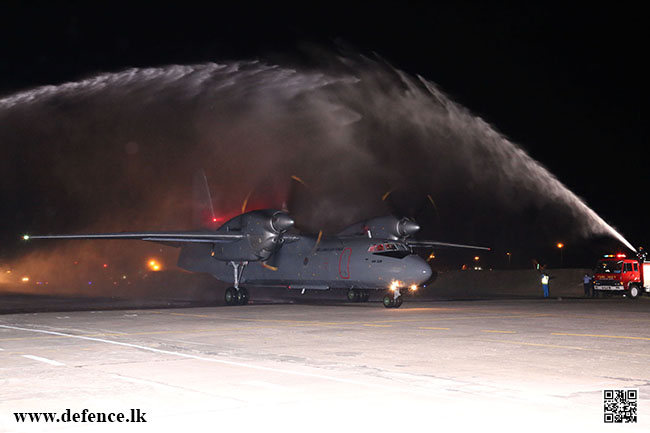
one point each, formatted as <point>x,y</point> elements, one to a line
<point>393,300</point>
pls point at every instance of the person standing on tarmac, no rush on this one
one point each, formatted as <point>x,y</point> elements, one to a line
<point>586,281</point>
<point>545,279</point>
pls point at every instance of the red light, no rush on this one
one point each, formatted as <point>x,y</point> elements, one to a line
<point>214,220</point>
<point>620,256</point>
<point>105,265</point>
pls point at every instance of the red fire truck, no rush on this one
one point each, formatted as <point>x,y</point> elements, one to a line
<point>615,273</point>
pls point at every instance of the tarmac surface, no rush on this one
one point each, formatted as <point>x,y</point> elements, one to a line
<point>530,364</point>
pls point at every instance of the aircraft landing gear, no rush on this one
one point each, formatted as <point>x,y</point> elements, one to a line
<point>237,295</point>
<point>393,300</point>
<point>358,295</point>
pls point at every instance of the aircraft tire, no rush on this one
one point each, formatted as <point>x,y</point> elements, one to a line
<point>353,295</point>
<point>242,296</point>
<point>389,302</point>
<point>230,296</point>
<point>398,302</point>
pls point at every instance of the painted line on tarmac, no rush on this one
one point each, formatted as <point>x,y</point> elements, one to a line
<point>226,362</point>
<point>622,337</point>
<point>563,347</point>
<point>45,360</point>
<point>471,317</point>
<point>278,321</point>
<point>496,331</point>
<point>434,328</point>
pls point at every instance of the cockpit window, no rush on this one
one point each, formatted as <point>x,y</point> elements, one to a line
<point>390,249</point>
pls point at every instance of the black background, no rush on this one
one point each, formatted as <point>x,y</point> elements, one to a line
<point>565,82</point>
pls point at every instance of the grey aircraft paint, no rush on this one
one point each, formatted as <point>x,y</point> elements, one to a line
<point>257,248</point>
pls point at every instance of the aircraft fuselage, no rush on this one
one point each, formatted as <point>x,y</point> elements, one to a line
<point>337,262</point>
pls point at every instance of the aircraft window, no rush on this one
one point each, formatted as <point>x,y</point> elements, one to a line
<point>387,247</point>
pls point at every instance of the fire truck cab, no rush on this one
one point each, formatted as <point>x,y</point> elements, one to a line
<point>616,273</point>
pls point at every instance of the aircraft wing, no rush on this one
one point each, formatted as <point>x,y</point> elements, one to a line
<point>200,236</point>
<point>425,244</point>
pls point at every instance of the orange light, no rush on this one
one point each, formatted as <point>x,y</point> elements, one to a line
<point>560,245</point>
<point>414,288</point>
<point>154,265</point>
<point>476,258</point>
<point>25,279</point>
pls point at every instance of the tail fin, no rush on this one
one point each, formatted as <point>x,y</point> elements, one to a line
<point>203,215</point>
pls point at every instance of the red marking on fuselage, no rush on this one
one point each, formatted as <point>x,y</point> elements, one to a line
<point>345,255</point>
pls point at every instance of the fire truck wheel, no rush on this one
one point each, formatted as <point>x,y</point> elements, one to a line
<point>634,291</point>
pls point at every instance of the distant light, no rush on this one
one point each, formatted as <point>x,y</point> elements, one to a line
<point>560,245</point>
<point>414,288</point>
<point>476,258</point>
<point>154,265</point>
<point>214,220</point>
<point>105,265</point>
<point>621,256</point>
<point>25,279</point>
<point>26,237</point>
<point>90,282</point>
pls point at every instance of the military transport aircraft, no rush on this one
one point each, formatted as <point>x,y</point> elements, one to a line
<point>256,248</point>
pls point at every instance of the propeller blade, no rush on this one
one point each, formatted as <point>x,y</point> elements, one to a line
<point>318,239</point>
<point>267,266</point>
<point>297,179</point>
<point>245,203</point>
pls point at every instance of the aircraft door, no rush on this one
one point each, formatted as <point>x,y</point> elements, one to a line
<point>344,263</point>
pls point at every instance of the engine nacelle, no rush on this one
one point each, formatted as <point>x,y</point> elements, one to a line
<point>262,230</point>
<point>386,227</point>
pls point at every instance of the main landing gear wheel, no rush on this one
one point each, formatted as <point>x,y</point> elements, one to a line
<point>392,302</point>
<point>233,296</point>
<point>242,296</point>
<point>358,295</point>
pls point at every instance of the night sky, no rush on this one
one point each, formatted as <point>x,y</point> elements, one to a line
<point>566,83</point>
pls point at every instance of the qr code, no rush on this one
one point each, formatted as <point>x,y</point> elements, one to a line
<point>620,405</point>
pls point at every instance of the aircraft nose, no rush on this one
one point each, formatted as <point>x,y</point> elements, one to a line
<point>419,270</point>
